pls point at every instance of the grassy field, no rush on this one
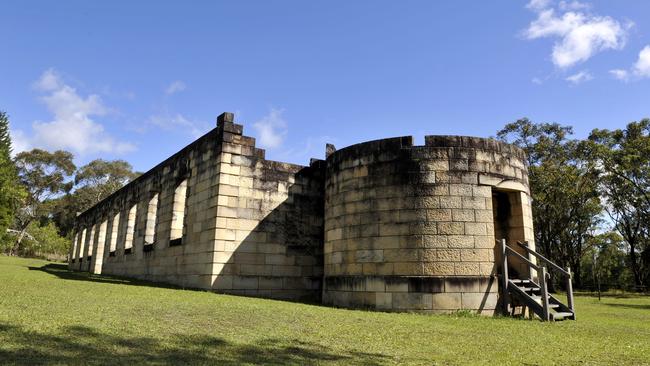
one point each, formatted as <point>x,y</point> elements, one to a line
<point>49,315</point>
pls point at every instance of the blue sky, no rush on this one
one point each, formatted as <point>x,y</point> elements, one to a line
<point>139,80</point>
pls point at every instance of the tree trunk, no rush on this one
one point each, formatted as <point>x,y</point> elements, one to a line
<point>635,266</point>
<point>577,274</point>
<point>15,250</point>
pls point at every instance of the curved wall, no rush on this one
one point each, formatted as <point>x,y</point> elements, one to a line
<point>412,228</point>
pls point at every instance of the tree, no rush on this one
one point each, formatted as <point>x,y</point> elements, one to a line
<point>10,191</point>
<point>44,175</point>
<point>566,205</point>
<point>605,259</point>
<point>93,182</point>
<point>622,163</point>
<point>44,241</point>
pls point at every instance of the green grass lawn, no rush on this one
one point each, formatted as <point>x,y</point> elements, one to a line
<point>49,315</point>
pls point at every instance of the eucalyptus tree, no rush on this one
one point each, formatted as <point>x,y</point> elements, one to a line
<point>622,162</point>
<point>566,205</point>
<point>44,175</point>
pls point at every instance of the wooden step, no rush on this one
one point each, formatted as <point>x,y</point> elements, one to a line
<point>516,280</point>
<point>529,288</point>
<point>561,315</point>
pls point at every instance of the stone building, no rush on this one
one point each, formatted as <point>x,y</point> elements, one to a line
<point>382,224</point>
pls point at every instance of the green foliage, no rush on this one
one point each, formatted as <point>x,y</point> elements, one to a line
<point>622,164</point>
<point>11,193</point>
<point>44,175</point>
<point>50,315</point>
<point>44,241</point>
<point>93,182</point>
<point>606,263</point>
<point>566,204</point>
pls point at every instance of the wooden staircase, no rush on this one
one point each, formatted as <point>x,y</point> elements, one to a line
<point>527,293</point>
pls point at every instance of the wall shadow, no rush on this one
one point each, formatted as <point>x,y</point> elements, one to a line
<point>87,346</point>
<point>61,271</point>
<point>282,256</point>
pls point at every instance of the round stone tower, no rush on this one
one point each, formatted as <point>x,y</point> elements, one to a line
<point>414,228</point>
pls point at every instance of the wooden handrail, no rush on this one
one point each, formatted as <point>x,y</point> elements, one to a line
<point>544,259</point>
<point>511,251</point>
<point>542,275</point>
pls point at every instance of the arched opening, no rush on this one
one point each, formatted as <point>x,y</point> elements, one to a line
<point>112,243</point>
<point>179,209</point>
<point>150,224</point>
<point>130,230</point>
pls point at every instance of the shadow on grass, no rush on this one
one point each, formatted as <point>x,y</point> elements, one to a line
<point>62,271</point>
<point>630,306</point>
<point>84,345</point>
<point>614,295</point>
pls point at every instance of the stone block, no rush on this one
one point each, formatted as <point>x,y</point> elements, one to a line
<point>474,202</point>
<point>222,282</point>
<point>476,228</point>
<point>438,215</point>
<point>369,256</point>
<point>434,241</point>
<point>446,301</point>
<point>460,190</point>
<point>396,284</point>
<point>451,202</point>
<point>438,268</point>
<point>462,215</point>
<point>384,301</point>
<point>479,301</point>
<point>375,284</point>
<point>245,282</point>
<point>463,284</point>
<point>412,301</point>
<point>466,269</point>
<point>451,228</point>
<point>408,269</point>
<point>448,255</point>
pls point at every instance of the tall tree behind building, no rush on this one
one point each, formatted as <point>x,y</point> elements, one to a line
<point>622,162</point>
<point>93,182</point>
<point>566,206</point>
<point>44,175</point>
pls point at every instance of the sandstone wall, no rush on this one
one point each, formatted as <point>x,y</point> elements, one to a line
<point>412,227</point>
<point>216,215</point>
<point>382,224</point>
<point>269,225</point>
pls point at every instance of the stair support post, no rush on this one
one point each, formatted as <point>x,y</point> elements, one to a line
<point>569,292</point>
<point>544,292</point>
<point>504,277</point>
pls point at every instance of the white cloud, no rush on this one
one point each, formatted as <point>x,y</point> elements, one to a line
<point>49,81</point>
<point>72,127</point>
<point>642,65</point>
<point>178,122</point>
<point>573,5</point>
<point>19,142</point>
<point>175,87</point>
<point>271,129</point>
<point>620,74</point>
<point>640,69</point>
<point>537,81</point>
<point>538,4</point>
<point>579,35</point>
<point>580,77</point>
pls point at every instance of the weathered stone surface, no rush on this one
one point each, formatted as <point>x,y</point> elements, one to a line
<point>382,224</point>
